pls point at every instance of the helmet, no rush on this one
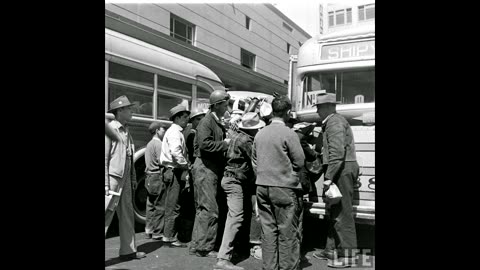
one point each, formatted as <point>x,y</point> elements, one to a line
<point>218,96</point>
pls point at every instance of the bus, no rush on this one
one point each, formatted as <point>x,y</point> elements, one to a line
<point>155,80</point>
<point>342,63</point>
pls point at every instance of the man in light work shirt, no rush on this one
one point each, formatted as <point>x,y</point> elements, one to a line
<point>175,160</point>
<point>277,159</point>
<point>155,211</point>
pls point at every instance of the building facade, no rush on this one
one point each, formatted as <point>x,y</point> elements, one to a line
<point>349,14</point>
<point>247,45</point>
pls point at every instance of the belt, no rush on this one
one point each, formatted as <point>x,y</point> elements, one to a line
<point>150,173</point>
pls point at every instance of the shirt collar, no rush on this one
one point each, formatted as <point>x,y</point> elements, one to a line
<point>117,125</point>
<point>326,119</point>
<point>215,116</point>
<point>179,128</point>
<point>277,121</point>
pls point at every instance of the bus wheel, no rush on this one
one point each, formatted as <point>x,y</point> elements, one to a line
<point>140,194</point>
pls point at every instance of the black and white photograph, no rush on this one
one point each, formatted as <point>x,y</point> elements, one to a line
<point>240,135</point>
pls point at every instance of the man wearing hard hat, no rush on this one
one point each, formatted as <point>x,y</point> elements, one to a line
<point>210,146</point>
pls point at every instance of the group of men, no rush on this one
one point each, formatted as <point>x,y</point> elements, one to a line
<point>253,170</point>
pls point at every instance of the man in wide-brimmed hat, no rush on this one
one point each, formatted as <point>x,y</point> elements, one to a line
<point>342,169</point>
<point>237,182</point>
<point>174,158</point>
<point>120,176</point>
<point>155,211</point>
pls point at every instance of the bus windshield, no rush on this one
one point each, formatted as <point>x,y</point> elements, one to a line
<point>350,86</point>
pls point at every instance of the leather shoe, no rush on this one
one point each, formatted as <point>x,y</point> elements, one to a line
<point>178,244</point>
<point>324,255</point>
<point>133,256</point>
<point>211,254</point>
<point>226,265</point>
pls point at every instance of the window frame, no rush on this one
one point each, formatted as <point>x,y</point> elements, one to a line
<point>340,12</point>
<point>248,22</point>
<point>362,11</point>
<point>190,29</point>
<point>251,56</point>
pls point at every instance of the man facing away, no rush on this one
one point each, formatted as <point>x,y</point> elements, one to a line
<point>342,169</point>
<point>175,160</point>
<point>120,177</point>
<point>210,146</point>
<point>237,178</point>
<point>277,159</point>
<point>155,210</point>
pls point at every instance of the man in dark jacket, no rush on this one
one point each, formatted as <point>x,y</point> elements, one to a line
<point>341,168</point>
<point>210,146</point>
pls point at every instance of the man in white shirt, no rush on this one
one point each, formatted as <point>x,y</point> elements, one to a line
<point>173,157</point>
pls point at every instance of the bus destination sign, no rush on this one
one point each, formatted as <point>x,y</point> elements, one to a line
<point>348,50</point>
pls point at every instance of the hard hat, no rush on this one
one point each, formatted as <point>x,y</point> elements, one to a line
<point>218,96</point>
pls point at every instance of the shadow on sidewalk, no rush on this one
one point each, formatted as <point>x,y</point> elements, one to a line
<point>148,247</point>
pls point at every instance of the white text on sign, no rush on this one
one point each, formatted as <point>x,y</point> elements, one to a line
<point>348,50</point>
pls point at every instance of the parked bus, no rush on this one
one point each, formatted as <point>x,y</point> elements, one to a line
<point>342,63</point>
<point>155,80</point>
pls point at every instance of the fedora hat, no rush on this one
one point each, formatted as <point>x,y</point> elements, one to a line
<point>177,109</point>
<point>251,120</point>
<point>196,112</point>
<point>120,102</point>
<point>325,98</point>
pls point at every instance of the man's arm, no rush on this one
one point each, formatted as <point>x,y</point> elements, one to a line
<point>175,146</point>
<point>108,146</point>
<point>254,156</point>
<point>335,133</point>
<point>297,157</point>
<point>206,141</point>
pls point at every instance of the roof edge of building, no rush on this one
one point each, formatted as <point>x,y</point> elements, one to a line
<point>279,13</point>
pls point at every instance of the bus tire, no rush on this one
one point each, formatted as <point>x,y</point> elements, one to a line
<point>139,198</point>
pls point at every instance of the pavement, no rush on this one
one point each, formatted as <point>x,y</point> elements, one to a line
<point>162,256</point>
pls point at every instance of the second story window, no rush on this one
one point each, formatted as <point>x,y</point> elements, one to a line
<point>181,29</point>
<point>366,12</point>
<point>247,59</point>
<point>340,17</point>
<point>288,48</point>
<point>247,22</point>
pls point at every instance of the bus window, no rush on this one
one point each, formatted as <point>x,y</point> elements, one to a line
<point>142,98</point>
<point>173,85</point>
<point>166,101</point>
<point>345,84</point>
<point>203,98</point>
<point>130,75</point>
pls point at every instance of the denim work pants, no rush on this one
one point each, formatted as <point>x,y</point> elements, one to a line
<point>235,199</point>
<point>205,187</point>
<point>173,186</point>
<point>126,218</point>
<point>341,233</point>
<point>281,212</point>
<point>155,211</point>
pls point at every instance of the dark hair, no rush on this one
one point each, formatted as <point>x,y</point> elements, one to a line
<point>280,105</point>
<point>180,114</point>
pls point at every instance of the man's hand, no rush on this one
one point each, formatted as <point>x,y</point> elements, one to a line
<point>228,140</point>
<point>327,183</point>
<point>134,185</point>
<point>107,189</point>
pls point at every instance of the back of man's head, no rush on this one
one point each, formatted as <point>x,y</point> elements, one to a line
<point>281,105</point>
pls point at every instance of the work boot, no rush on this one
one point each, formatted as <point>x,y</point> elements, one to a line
<point>132,256</point>
<point>226,265</point>
<point>210,254</point>
<point>169,239</point>
<point>178,243</point>
<point>324,255</point>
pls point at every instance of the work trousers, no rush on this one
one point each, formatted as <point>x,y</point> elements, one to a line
<point>155,211</point>
<point>173,185</point>
<point>281,212</point>
<point>341,233</point>
<point>205,187</point>
<point>124,209</point>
